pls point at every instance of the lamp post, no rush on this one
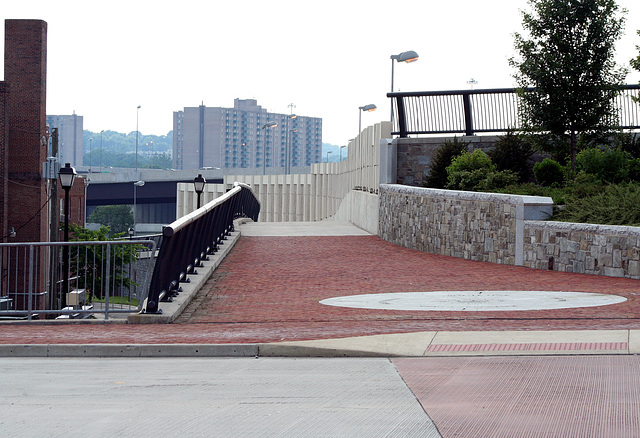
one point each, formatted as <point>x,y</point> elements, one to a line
<point>198,184</point>
<point>368,108</point>
<point>137,118</point>
<point>328,156</point>
<point>264,147</point>
<point>341,147</point>
<point>67,175</point>
<point>409,56</point>
<point>135,187</point>
<point>289,142</point>
<point>90,153</point>
<point>101,132</point>
<point>130,231</point>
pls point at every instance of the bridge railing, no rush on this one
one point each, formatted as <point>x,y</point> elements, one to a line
<point>190,239</point>
<point>470,111</point>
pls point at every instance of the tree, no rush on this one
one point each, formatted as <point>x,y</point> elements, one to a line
<point>450,149</point>
<point>567,57</point>
<point>88,263</point>
<point>119,218</point>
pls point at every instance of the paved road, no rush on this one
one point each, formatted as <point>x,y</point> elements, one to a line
<point>596,396</point>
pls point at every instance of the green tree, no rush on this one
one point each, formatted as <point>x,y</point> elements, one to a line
<point>475,171</point>
<point>513,151</point>
<point>567,56</point>
<point>118,218</point>
<point>450,149</point>
<point>89,262</point>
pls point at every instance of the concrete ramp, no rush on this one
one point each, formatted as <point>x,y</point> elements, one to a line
<point>322,228</point>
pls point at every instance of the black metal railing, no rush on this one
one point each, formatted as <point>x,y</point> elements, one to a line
<point>470,111</point>
<point>190,239</point>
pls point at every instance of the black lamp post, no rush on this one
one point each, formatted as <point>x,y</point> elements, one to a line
<point>67,175</point>
<point>198,183</point>
<point>130,231</point>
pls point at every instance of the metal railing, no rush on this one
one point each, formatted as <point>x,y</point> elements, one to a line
<point>190,239</point>
<point>470,111</point>
<point>104,277</point>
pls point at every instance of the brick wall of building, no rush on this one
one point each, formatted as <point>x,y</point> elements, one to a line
<point>25,72</point>
<point>4,139</point>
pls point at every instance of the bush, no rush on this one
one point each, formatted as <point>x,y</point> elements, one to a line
<point>615,204</point>
<point>475,171</point>
<point>443,157</point>
<point>609,165</point>
<point>548,172</point>
<point>513,152</point>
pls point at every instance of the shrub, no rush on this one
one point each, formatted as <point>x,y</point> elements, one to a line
<point>548,172</point>
<point>610,165</point>
<point>614,204</point>
<point>513,152</point>
<point>475,171</point>
<point>450,149</point>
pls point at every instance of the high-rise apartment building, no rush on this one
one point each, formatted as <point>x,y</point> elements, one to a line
<point>245,136</point>
<point>70,140</point>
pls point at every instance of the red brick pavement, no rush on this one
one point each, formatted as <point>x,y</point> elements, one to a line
<point>268,288</point>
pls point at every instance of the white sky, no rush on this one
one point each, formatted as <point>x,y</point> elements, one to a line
<point>328,58</point>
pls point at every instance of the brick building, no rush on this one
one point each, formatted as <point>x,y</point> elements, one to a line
<point>24,194</point>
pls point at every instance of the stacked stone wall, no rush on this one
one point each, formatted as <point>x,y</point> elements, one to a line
<point>504,229</point>
<point>613,251</point>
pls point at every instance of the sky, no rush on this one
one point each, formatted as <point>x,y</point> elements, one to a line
<point>327,58</point>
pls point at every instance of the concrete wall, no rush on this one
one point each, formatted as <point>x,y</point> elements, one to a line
<point>319,195</point>
<point>506,229</point>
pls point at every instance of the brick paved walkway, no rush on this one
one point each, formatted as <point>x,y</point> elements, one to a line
<point>268,289</point>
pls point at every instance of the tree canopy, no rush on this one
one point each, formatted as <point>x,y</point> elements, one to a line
<point>567,56</point>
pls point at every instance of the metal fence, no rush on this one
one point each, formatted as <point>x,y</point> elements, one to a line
<point>470,111</point>
<point>103,277</point>
<point>190,239</point>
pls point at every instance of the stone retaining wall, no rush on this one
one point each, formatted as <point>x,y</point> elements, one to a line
<point>505,229</point>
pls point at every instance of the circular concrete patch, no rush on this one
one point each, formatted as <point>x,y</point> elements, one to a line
<point>475,301</point>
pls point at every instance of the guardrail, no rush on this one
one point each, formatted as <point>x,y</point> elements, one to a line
<point>103,278</point>
<point>470,111</point>
<point>190,239</point>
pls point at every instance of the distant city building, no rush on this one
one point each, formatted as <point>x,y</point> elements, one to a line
<point>241,137</point>
<point>70,140</point>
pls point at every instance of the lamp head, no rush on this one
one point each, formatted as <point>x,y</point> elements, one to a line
<point>199,182</point>
<point>409,56</point>
<point>369,108</point>
<point>67,175</point>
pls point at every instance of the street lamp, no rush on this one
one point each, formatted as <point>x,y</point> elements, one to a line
<point>289,142</point>
<point>137,114</point>
<point>101,132</point>
<point>409,56</point>
<point>264,147</point>
<point>130,231</point>
<point>90,153</point>
<point>328,156</point>
<point>135,187</point>
<point>368,108</point>
<point>67,175</point>
<point>341,147</point>
<point>198,183</point>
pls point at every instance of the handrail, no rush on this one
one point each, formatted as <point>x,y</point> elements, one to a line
<point>485,110</point>
<point>191,238</point>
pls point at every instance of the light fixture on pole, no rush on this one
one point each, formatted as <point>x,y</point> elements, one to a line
<point>67,175</point>
<point>135,187</point>
<point>328,155</point>
<point>130,231</point>
<point>137,118</point>
<point>101,132</point>
<point>341,147</point>
<point>264,146</point>
<point>368,108</point>
<point>198,183</point>
<point>289,142</point>
<point>409,56</point>
<point>90,153</point>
